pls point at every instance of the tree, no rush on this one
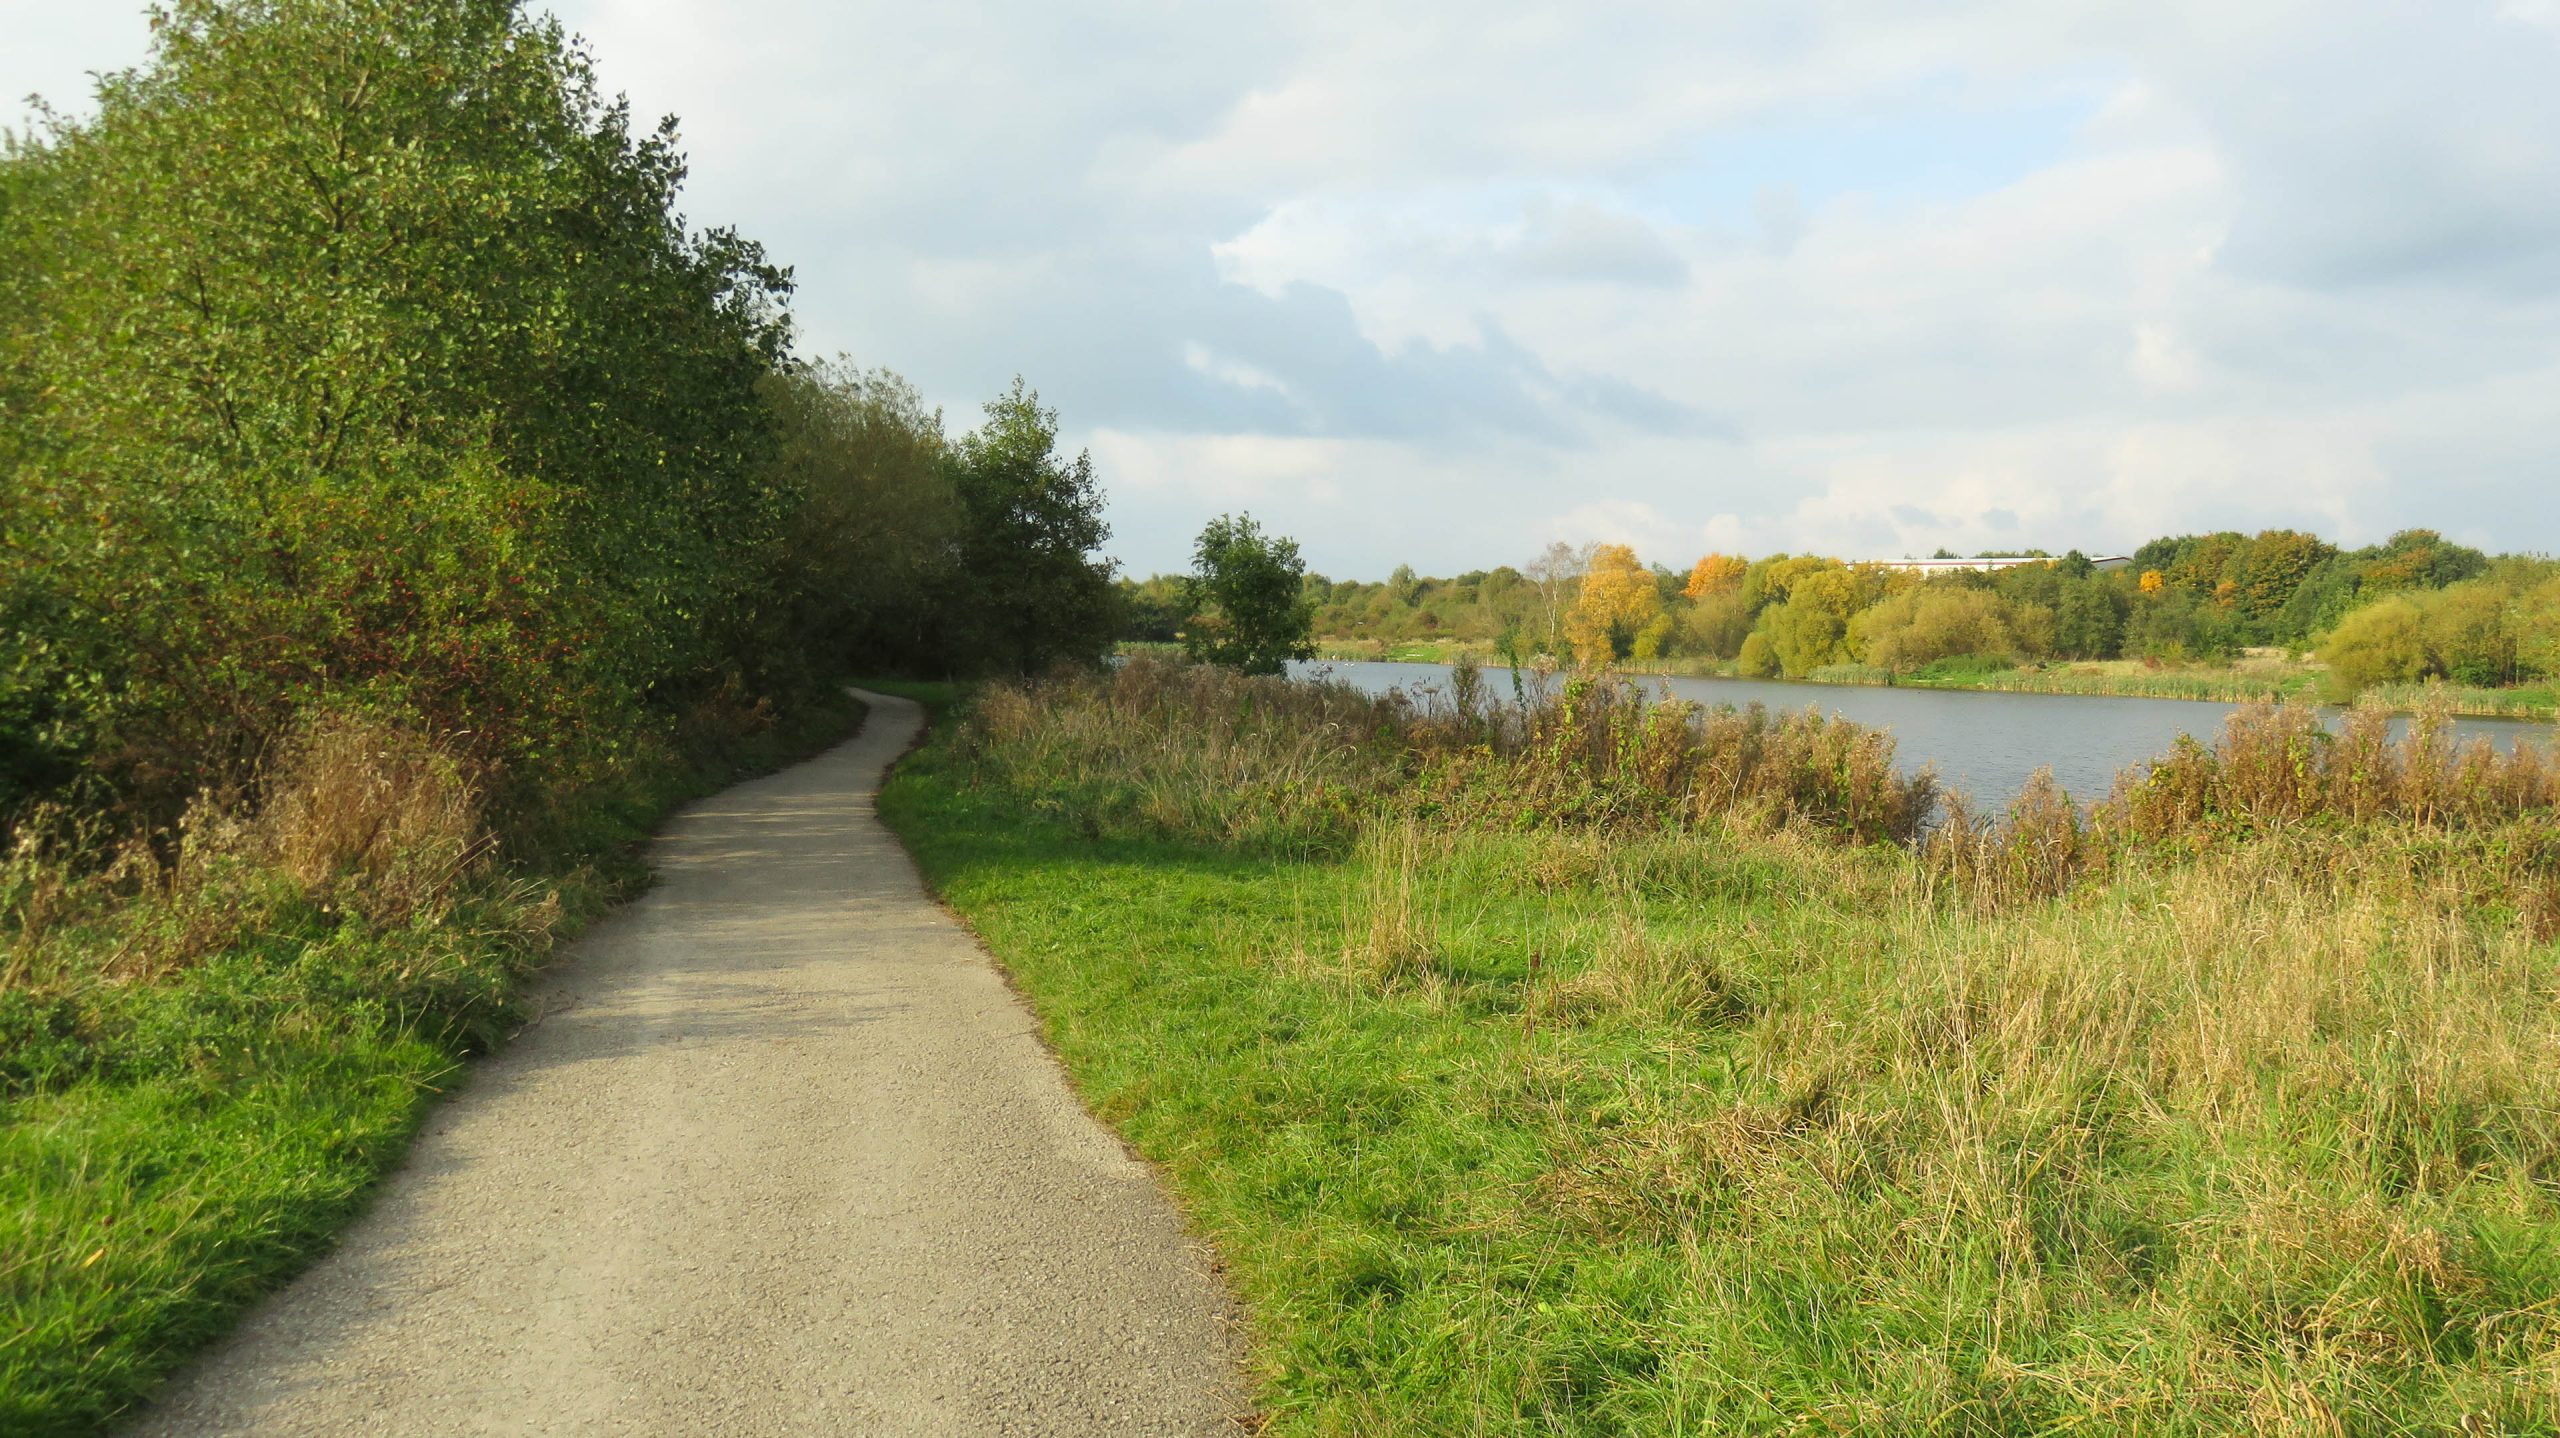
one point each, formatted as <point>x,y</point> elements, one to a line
<point>356,347</point>
<point>1718,624</point>
<point>1247,598</point>
<point>2177,623</point>
<point>1758,658</point>
<point>2089,617</point>
<point>2536,624</point>
<point>872,542</point>
<point>1618,598</point>
<point>1934,621</point>
<point>1556,572</point>
<point>2419,559</point>
<point>1716,574</point>
<point>1152,610</point>
<point>2378,644</point>
<point>1811,627</point>
<point>1032,595</point>
<point>2269,573</point>
<point>2467,635</point>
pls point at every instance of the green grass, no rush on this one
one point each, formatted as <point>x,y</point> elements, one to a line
<point>1710,1131</point>
<point>177,1139</point>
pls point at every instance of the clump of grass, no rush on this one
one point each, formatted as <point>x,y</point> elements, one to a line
<point>370,815</point>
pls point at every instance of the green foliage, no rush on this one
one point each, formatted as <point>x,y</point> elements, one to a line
<point>359,377</point>
<point>2089,615</point>
<point>1931,622</point>
<point>1246,598</point>
<point>356,344</point>
<point>2378,644</point>
<point>1152,609</point>
<point>2468,634</point>
<point>1718,624</point>
<point>2179,623</point>
<point>1033,594</point>
<point>871,545</point>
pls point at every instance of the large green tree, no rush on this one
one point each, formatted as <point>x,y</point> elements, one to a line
<point>1032,592</point>
<point>356,347</point>
<point>1246,598</point>
<point>872,546</point>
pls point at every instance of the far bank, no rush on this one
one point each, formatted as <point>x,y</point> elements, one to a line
<point>2255,677</point>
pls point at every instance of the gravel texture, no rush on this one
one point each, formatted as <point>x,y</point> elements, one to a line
<point>783,1155</point>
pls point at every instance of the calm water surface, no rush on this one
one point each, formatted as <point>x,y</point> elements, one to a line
<point>1983,744</point>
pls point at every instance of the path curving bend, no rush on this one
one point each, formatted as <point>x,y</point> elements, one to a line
<point>784,1156</point>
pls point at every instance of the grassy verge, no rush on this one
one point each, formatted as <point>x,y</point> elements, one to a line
<point>1567,1122</point>
<point>205,1067</point>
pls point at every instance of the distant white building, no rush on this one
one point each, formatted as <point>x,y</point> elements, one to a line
<point>1988,566</point>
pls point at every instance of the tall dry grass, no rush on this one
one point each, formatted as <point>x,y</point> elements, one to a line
<point>2356,798</point>
<point>368,814</point>
<point>2217,1146</point>
<point>353,816</point>
<point>1204,752</point>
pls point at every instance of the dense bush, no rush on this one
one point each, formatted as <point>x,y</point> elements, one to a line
<point>356,348</point>
<point>355,352</point>
<point>1932,622</point>
<point>2378,644</point>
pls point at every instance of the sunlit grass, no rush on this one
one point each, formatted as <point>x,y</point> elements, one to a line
<point>1720,1127</point>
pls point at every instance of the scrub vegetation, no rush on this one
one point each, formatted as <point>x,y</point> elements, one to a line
<point>1584,1064</point>
<point>401,506</point>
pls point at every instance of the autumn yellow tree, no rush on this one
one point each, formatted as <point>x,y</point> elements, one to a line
<point>1716,574</point>
<point>1618,599</point>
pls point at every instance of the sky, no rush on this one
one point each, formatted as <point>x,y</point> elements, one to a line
<point>1441,283</point>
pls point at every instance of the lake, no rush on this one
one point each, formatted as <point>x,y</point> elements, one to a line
<point>1984,744</point>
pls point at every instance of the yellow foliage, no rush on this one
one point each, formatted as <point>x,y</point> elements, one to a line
<point>2153,581</point>
<point>1716,574</point>
<point>1618,598</point>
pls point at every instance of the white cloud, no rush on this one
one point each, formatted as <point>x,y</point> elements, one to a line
<point>1436,282</point>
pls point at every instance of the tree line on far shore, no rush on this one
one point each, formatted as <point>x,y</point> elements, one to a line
<point>2412,607</point>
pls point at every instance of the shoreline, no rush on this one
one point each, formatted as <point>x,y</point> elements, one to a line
<point>2226,684</point>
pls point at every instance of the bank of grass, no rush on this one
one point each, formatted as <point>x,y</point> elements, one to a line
<point>212,1046</point>
<point>1711,1117</point>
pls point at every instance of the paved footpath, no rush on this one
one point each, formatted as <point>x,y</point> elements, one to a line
<point>784,1155</point>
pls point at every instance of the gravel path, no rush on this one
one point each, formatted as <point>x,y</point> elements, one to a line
<point>784,1156</point>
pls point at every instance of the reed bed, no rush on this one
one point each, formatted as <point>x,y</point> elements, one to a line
<point>1302,766</point>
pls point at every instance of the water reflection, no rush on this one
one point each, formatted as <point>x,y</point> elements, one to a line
<point>1983,744</point>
